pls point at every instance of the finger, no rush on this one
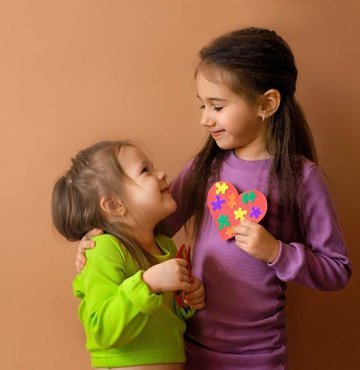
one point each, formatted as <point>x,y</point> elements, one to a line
<point>196,283</point>
<point>195,295</point>
<point>85,244</point>
<point>248,223</point>
<point>181,261</point>
<point>80,259</point>
<point>197,306</point>
<point>185,285</point>
<point>194,301</point>
<point>241,239</point>
<point>186,278</point>
<point>196,286</point>
<point>94,232</point>
<point>242,229</point>
<point>79,264</point>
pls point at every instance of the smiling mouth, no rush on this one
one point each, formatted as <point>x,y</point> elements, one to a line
<point>216,133</point>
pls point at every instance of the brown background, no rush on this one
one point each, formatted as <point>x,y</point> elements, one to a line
<point>76,72</point>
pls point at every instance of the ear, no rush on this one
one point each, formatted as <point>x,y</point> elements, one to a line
<point>269,103</point>
<point>112,206</point>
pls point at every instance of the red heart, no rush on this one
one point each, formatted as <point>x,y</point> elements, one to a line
<point>228,208</point>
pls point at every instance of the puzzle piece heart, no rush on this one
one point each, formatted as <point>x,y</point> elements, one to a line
<point>228,208</point>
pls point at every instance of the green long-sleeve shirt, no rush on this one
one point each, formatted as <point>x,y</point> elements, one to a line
<point>125,322</point>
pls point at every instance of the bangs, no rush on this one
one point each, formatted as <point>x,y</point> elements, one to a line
<point>232,80</point>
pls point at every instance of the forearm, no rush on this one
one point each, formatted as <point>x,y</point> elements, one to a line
<point>297,263</point>
<point>118,317</point>
<point>321,260</point>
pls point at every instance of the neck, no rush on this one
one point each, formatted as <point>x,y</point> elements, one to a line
<point>149,244</point>
<point>256,149</point>
<point>252,154</point>
<point>145,238</point>
<point>143,233</point>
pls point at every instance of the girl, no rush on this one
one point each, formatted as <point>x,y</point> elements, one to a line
<point>126,290</point>
<point>258,139</point>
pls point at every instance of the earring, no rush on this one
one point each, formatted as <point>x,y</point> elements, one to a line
<point>263,116</point>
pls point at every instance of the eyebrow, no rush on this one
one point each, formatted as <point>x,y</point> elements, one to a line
<point>145,163</point>
<point>214,98</point>
<point>142,163</point>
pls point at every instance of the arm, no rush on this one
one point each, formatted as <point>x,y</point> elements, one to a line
<point>323,262</point>
<point>115,308</point>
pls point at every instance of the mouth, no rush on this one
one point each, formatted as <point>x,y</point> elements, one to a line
<point>217,133</point>
<point>165,190</point>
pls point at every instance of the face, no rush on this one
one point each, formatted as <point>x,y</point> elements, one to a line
<point>148,190</point>
<point>232,121</point>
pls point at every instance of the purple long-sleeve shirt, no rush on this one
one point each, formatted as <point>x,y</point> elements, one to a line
<point>243,324</point>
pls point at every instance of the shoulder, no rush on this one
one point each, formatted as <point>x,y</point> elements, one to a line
<point>314,183</point>
<point>106,245</point>
<point>308,167</point>
<point>106,240</point>
<point>311,171</point>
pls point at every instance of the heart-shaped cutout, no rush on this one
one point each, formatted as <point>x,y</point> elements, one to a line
<point>228,208</point>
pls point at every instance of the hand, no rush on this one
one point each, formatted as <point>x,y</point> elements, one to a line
<point>255,240</point>
<point>168,276</point>
<point>195,295</point>
<point>85,243</point>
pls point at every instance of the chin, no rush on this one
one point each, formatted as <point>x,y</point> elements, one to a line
<point>224,144</point>
<point>172,208</point>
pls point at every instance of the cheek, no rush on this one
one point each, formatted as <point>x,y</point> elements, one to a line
<point>232,122</point>
<point>243,120</point>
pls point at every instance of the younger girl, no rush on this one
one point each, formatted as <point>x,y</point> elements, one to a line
<point>258,139</point>
<point>126,289</point>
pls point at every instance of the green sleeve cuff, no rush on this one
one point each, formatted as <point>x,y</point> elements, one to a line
<point>184,313</point>
<point>140,295</point>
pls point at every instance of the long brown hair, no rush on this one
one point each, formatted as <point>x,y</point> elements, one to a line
<point>95,172</point>
<point>249,62</point>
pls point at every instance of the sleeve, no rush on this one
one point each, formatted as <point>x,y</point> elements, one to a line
<point>184,313</point>
<point>323,262</point>
<point>173,223</point>
<point>117,307</point>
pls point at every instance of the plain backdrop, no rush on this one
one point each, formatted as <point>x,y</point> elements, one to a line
<point>73,72</point>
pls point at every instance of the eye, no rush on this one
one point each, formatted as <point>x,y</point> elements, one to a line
<point>145,169</point>
<point>202,107</point>
<point>217,109</point>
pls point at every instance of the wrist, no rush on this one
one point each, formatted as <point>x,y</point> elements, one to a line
<point>147,279</point>
<point>275,252</point>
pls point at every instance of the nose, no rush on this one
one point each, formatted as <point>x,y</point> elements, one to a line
<point>161,175</point>
<point>206,119</point>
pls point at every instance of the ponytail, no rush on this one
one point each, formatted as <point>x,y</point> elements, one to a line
<point>70,215</point>
<point>289,140</point>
